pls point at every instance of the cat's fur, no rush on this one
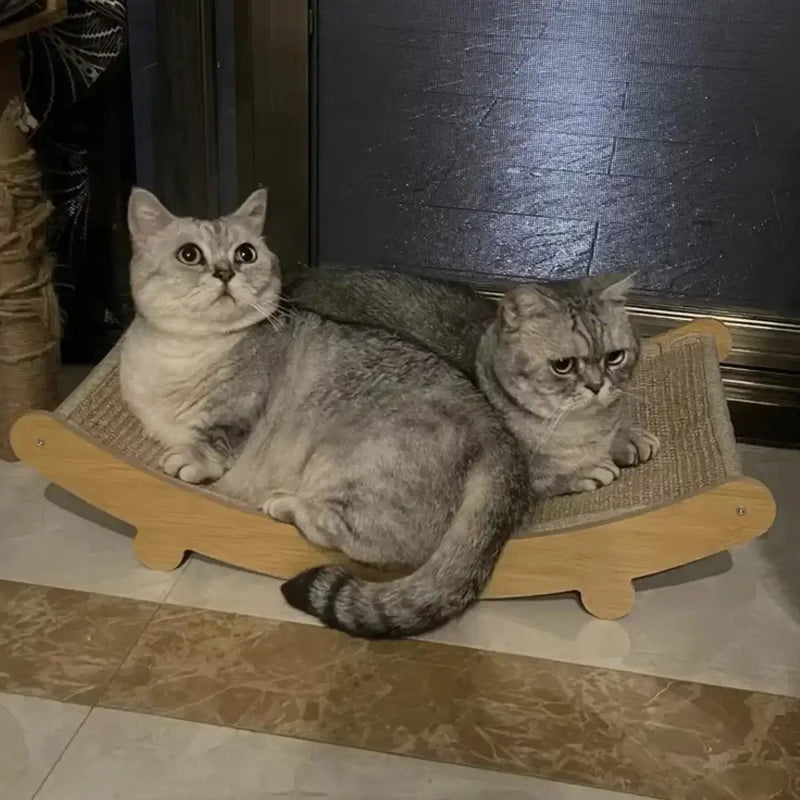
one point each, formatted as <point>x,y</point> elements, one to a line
<point>576,428</point>
<point>447,318</point>
<point>367,443</point>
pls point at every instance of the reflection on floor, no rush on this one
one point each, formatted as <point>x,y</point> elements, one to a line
<point>552,138</point>
<point>122,682</point>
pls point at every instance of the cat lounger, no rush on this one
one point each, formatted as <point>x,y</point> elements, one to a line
<point>691,501</point>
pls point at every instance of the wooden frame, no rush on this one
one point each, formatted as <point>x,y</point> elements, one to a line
<point>273,118</point>
<point>600,562</point>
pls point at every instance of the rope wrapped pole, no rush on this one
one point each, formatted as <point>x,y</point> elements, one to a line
<point>29,329</point>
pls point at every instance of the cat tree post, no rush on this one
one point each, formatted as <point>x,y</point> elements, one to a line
<point>29,331</point>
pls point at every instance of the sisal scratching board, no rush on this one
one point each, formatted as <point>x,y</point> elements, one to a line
<point>691,501</point>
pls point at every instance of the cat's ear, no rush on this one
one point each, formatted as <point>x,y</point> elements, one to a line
<point>147,217</point>
<point>525,302</point>
<point>617,292</point>
<point>253,212</point>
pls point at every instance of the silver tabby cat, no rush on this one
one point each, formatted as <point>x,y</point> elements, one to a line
<point>366,442</point>
<point>555,360</point>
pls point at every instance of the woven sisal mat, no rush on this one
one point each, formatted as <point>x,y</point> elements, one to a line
<point>680,399</point>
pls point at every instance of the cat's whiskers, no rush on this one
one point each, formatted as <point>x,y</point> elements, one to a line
<point>199,293</point>
<point>637,397</point>
<point>269,316</point>
<point>264,313</point>
<point>559,415</point>
<point>261,310</point>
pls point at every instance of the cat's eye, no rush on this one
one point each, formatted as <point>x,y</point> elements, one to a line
<point>615,358</point>
<point>245,254</point>
<point>190,254</point>
<point>562,366</point>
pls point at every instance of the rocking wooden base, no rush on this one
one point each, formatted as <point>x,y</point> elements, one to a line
<point>598,560</point>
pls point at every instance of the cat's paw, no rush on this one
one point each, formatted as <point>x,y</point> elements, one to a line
<point>192,465</point>
<point>634,446</point>
<point>602,474</point>
<point>647,443</point>
<point>280,506</point>
<point>289,508</point>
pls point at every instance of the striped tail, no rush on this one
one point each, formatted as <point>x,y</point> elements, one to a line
<point>495,499</point>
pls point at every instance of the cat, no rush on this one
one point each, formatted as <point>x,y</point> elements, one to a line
<point>367,443</point>
<point>555,360</point>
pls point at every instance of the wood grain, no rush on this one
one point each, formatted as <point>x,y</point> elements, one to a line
<point>718,330</point>
<point>599,562</point>
<point>170,517</point>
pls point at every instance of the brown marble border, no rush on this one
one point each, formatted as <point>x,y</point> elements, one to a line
<point>604,728</point>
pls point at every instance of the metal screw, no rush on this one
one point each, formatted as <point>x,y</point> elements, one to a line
<point>40,442</point>
<point>741,511</point>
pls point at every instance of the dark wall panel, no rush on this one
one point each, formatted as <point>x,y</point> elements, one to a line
<point>552,138</point>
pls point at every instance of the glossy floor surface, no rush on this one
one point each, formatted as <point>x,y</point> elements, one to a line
<point>116,681</point>
<point>557,138</point>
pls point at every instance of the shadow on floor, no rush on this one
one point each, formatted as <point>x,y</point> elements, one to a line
<point>80,508</point>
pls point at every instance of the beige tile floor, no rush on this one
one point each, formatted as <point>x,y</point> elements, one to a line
<point>733,620</point>
<point>33,735</point>
<point>128,756</point>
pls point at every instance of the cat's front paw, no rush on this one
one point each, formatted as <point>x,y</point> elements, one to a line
<point>192,465</point>
<point>634,446</point>
<point>602,474</point>
<point>280,506</point>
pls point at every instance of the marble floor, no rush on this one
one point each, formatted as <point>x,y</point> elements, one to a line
<point>116,681</point>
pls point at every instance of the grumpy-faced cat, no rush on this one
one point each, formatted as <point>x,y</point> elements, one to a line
<point>555,360</point>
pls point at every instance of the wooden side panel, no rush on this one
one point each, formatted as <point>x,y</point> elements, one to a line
<point>172,518</point>
<point>600,562</point>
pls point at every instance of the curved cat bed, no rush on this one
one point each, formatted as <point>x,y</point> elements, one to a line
<point>690,502</point>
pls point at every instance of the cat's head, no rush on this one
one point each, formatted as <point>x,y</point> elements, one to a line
<point>196,277</point>
<point>565,347</point>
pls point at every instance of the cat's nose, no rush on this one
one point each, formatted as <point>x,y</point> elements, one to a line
<point>223,272</point>
<point>595,384</point>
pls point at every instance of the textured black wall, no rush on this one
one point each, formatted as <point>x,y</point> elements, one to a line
<point>552,138</point>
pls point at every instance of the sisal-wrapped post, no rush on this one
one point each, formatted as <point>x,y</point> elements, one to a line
<point>29,329</point>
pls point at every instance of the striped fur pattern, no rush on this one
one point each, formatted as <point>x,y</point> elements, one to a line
<point>575,426</point>
<point>366,442</point>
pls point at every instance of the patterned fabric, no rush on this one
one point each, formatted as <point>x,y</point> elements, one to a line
<point>60,66</point>
<point>60,63</point>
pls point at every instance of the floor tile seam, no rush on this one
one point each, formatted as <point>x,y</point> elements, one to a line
<point>128,651</point>
<point>66,747</point>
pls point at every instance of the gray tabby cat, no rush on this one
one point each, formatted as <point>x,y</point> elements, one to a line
<point>367,443</point>
<point>554,360</point>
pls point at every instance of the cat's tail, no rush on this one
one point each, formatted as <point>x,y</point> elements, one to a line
<point>495,500</point>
